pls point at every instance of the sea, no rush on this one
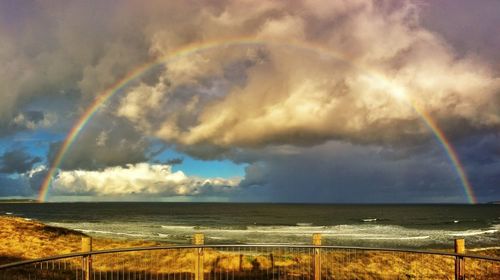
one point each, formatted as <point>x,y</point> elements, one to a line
<point>394,226</point>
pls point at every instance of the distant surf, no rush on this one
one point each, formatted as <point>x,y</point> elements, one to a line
<point>361,234</point>
<point>409,226</point>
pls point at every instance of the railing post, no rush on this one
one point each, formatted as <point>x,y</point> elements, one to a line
<point>317,256</point>
<point>87,259</point>
<point>198,239</point>
<point>459,260</point>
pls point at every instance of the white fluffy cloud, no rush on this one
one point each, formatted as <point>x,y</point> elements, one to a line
<point>138,179</point>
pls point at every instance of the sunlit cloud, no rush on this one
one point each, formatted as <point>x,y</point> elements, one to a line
<point>360,85</point>
<point>139,179</point>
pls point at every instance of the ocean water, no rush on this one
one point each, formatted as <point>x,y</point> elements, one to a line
<point>408,226</point>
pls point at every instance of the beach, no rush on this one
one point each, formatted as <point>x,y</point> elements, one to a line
<point>24,238</point>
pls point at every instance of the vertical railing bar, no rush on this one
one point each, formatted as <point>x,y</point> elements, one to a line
<point>239,256</point>
<point>169,266</point>
<point>150,265</point>
<point>123,266</point>
<point>301,263</point>
<point>265,252</point>
<point>226,269</point>
<point>285,275</point>
<point>280,257</point>
<point>311,266</point>
<point>261,255</point>
<point>234,251</point>
<point>156,264</point>
<point>144,259</point>
<point>332,262</point>
<point>160,267</point>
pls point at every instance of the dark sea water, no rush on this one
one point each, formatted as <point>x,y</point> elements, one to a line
<point>409,226</point>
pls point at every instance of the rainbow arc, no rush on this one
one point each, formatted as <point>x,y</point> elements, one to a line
<point>185,51</point>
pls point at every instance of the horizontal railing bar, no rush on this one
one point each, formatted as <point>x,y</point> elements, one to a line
<point>174,247</point>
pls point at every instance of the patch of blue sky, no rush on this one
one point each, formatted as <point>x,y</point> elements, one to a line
<point>203,168</point>
<point>34,142</point>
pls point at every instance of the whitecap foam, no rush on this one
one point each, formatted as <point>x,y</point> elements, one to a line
<point>177,228</point>
<point>218,238</point>
<point>484,249</point>
<point>415,237</point>
<point>473,232</point>
<point>111,232</point>
<point>369,220</point>
<point>395,238</point>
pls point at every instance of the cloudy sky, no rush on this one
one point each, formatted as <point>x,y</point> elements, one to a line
<point>282,101</point>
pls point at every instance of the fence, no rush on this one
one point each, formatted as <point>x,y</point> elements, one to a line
<point>217,262</point>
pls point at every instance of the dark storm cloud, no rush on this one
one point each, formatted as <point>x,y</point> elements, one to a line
<point>17,161</point>
<point>26,120</point>
<point>106,141</point>
<point>480,149</point>
<point>25,184</point>
<point>49,47</point>
<point>480,155</point>
<point>343,173</point>
<point>13,186</point>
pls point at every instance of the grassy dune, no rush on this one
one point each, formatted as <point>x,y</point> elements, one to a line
<point>22,239</point>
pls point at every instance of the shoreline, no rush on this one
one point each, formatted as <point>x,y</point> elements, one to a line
<point>25,238</point>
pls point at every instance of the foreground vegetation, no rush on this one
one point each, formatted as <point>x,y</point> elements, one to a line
<point>22,239</point>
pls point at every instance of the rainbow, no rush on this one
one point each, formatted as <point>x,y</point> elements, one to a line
<point>121,84</point>
<point>450,152</point>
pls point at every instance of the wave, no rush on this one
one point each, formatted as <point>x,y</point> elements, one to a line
<point>369,220</point>
<point>484,249</point>
<point>474,232</point>
<point>303,224</point>
<point>111,232</point>
<point>367,229</point>
<point>396,238</point>
<point>361,234</point>
<point>175,227</point>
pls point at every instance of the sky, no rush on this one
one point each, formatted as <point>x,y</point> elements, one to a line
<point>316,101</point>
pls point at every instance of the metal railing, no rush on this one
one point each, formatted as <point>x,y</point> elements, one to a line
<point>264,261</point>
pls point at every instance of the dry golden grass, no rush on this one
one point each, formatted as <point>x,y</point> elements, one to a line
<point>21,239</point>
